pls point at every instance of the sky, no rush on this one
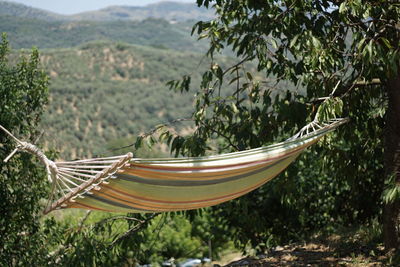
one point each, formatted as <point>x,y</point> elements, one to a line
<point>68,7</point>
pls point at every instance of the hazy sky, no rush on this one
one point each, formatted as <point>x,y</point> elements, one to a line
<point>68,7</point>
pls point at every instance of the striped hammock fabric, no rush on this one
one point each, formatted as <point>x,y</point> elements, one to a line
<point>126,184</point>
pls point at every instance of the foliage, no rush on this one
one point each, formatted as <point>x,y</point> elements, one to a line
<point>340,53</point>
<point>93,104</point>
<point>184,235</point>
<point>171,237</point>
<point>26,236</point>
<point>103,91</point>
<point>107,239</point>
<point>327,56</point>
<point>23,91</point>
<point>25,33</point>
<point>128,82</point>
<point>127,239</point>
<point>392,190</point>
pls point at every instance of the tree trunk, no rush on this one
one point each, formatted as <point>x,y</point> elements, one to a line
<point>391,223</point>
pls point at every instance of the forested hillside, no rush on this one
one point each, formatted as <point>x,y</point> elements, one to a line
<point>161,25</point>
<point>28,32</point>
<point>171,11</point>
<point>108,72</point>
<point>19,10</point>
<point>103,91</point>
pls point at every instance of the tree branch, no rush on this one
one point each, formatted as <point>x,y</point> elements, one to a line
<point>343,92</point>
<point>151,132</point>
<point>134,229</point>
<point>221,134</point>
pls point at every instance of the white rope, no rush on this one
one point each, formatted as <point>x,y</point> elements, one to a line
<point>51,167</point>
<point>76,173</point>
<point>66,187</point>
<point>11,154</point>
<point>60,189</point>
<point>90,166</point>
<point>10,134</point>
<point>69,181</point>
<point>72,177</point>
<point>79,174</point>
<point>80,170</point>
<point>89,160</point>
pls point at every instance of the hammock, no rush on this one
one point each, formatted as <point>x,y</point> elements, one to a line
<point>127,184</point>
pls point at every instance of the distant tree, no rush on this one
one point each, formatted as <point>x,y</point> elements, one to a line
<point>336,53</point>
<point>23,95</point>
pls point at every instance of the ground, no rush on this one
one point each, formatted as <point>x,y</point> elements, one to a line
<point>333,250</point>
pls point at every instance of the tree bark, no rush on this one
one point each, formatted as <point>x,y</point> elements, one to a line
<point>391,215</point>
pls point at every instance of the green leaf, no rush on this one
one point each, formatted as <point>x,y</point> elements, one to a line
<point>274,43</point>
<point>219,73</point>
<point>370,48</point>
<point>386,42</point>
<point>342,7</point>
<point>315,41</point>
<point>138,142</point>
<point>294,40</point>
<point>249,76</point>
<point>234,79</point>
<point>234,108</point>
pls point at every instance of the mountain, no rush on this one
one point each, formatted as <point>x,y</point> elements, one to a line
<point>108,75</point>
<point>27,27</point>
<point>170,11</point>
<point>13,9</point>
<point>27,32</point>
<point>101,92</point>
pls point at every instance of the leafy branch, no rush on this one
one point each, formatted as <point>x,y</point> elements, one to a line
<point>141,224</point>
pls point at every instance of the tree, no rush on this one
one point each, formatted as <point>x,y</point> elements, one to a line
<point>310,55</point>
<point>26,237</point>
<point>23,94</point>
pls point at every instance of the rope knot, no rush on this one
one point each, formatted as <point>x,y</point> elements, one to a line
<point>51,167</point>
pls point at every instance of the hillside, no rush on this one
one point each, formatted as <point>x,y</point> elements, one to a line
<point>170,11</point>
<point>107,77</point>
<point>25,33</point>
<point>104,91</point>
<point>13,9</point>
